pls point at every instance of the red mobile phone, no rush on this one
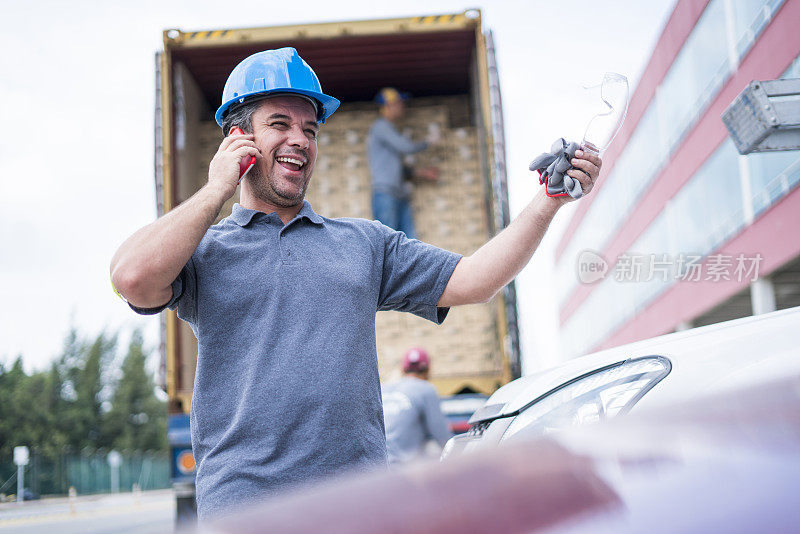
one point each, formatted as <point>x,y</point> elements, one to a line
<point>246,163</point>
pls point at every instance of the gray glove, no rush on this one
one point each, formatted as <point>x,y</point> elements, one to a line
<point>553,166</point>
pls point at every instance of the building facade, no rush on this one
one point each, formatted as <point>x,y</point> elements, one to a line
<point>681,230</point>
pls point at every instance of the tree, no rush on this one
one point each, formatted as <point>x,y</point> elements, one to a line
<point>27,416</point>
<point>82,366</point>
<point>90,386</point>
<point>66,406</point>
<point>52,399</point>
<point>137,419</point>
<point>13,425</point>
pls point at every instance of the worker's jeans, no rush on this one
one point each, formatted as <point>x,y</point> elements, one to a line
<point>394,212</point>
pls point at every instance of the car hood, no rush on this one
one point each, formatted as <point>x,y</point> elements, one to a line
<point>744,342</point>
<point>727,463</point>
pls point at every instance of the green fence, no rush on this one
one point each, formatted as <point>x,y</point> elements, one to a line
<point>88,472</point>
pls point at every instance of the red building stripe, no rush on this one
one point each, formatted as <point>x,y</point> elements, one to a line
<point>774,237</point>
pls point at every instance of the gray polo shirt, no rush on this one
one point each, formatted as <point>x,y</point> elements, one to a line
<point>385,149</point>
<point>286,389</point>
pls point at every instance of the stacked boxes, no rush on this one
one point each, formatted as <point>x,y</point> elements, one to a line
<point>340,186</point>
<point>451,213</point>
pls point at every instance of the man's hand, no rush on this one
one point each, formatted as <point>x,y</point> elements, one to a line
<point>554,166</point>
<point>147,263</point>
<point>428,174</point>
<point>586,171</point>
<point>223,171</point>
<point>478,277</point>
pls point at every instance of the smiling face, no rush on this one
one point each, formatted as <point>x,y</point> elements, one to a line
<point>285,130</point>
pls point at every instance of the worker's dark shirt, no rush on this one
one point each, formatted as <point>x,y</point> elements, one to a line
<point>286,389</point>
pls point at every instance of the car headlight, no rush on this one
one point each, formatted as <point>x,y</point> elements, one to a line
<point>461,443</point>
<point>602,394</point>
<point>448,448</point>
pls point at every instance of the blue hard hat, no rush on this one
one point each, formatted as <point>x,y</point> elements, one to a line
<point>274,71</point>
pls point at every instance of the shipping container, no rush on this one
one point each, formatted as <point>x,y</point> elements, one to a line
<point>447,63</point>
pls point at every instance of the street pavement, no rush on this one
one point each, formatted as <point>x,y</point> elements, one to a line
<point>147,512</point>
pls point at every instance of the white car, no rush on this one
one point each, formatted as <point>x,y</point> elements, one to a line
<point>712,444</point>
<point>657,372</point>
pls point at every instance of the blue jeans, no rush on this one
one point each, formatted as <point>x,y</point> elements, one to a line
<point>394,212</point>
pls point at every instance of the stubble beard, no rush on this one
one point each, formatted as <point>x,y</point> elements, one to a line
<point>267,189</point>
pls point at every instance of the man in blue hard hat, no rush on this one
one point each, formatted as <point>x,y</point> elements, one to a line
<point>391,179</point>
<point>283,300</point>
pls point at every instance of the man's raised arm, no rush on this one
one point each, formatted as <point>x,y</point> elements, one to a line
<point>146,264</point>
<point>477,278</point>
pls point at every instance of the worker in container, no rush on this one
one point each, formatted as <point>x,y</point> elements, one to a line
<point>283,300</point>
<point>412,412</point>
<point>391,179</point>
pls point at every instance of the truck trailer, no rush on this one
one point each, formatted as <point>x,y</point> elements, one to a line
<point>447,63</point>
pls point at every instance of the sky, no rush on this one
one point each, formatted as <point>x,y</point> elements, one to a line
<point>76,154</point>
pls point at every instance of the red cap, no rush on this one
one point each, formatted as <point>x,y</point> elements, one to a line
<point>416,360</point>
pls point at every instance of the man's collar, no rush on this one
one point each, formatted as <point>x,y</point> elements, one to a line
<point>243,216</point>
<point>307,212</point>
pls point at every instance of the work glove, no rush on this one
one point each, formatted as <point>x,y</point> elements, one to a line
<point>553,166</point>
